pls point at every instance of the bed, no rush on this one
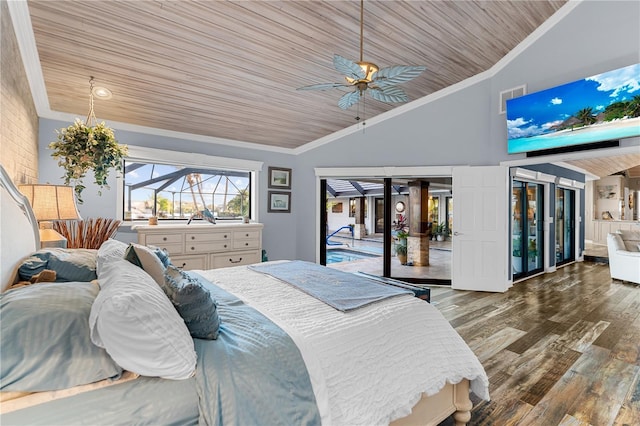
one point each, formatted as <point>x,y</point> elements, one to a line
<point>247,347</point>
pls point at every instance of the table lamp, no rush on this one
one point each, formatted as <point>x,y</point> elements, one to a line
<point>51,202</point>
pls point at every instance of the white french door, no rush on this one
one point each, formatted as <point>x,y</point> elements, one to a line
<point>480,236</point>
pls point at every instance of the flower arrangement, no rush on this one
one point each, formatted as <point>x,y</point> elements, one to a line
<point>81,147</point>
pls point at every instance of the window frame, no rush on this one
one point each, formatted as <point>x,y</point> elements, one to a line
<point>177,158</point>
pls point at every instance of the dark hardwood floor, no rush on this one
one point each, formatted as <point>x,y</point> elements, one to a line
<point>559,349</point>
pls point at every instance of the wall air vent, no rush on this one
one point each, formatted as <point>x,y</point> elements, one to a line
<point>505,95</point>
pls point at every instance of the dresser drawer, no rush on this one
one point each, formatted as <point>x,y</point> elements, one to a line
<point>208,236</point>
<point>246,244</point>
<point>190,262</point>
<point>207,246</point>
<point>158,240</point>
<point>246,235</point>
<point>172,249</point>
<point>234,259</point>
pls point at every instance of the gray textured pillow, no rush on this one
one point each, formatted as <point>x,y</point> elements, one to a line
<point>69,264</point>
<point>193,302</point>
<point>45,338</point>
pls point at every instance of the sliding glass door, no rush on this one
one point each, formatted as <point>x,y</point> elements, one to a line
<point>565,226</point>
<point>393,231</point>
<point>527,228</point>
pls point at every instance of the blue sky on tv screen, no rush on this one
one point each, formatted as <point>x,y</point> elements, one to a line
<point>534,114</point>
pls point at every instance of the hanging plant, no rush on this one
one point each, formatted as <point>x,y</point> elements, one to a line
<point>82,147</point>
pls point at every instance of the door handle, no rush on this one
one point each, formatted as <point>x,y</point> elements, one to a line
<point>457,233</point>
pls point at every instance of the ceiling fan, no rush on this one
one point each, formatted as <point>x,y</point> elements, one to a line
<point>367,77</point>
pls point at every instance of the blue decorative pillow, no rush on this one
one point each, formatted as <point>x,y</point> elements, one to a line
<point>45,338</point>
<point>162,255</point>
<point>193,302</point>
<point>69,264</point>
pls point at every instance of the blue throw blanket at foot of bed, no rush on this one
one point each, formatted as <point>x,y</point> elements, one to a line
<point>253,374</point>
<point>340,290</point>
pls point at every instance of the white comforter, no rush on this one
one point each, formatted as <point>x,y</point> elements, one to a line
<point>367,366</point>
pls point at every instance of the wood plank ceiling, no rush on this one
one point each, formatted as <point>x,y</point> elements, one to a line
<point>629,164</point>
<point>230,69</point>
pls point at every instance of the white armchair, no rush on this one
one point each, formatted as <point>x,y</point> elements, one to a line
<point>624,255</point>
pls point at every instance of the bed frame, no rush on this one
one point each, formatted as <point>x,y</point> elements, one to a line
<point>432,410</point>
<point>19,237</point>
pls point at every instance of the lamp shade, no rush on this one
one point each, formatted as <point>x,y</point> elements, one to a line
<point>51,202</point>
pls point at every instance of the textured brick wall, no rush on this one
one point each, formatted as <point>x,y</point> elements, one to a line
<point>18,117</point>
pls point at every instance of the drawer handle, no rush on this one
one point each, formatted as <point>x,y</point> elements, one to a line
<point>164,238</point>
<point>193,248</point>
<point>225,235</point>
<point>246,235</point>
<point>237,261</point>
<point>225,246</point>
<point>246,244</point>
<point>193,237</point>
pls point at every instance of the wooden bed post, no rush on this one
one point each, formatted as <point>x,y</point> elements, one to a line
<point>463,404</point>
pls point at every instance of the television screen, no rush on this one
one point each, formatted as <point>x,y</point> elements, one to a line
<point>599,108</point>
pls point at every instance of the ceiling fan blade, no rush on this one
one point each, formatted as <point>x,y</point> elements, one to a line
<point>348,67</point>
<point>396,74</point>
<point>388,94</point>
<point>323,86</point>
<point>349,99</point>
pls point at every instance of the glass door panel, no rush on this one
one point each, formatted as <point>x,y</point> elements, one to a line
<point>527,228</point>
<point>379,225</point>
<point>565,229</point>
<point>534,222</point>
<point>517,228</point>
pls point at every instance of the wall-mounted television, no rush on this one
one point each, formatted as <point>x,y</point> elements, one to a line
<point>599,108</point>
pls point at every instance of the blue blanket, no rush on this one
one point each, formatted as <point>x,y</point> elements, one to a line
<point>253,374</point>
<point>340,290</point>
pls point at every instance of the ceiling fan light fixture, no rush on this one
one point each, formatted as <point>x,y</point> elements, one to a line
<point>366,77</point>
<point>369,69</point>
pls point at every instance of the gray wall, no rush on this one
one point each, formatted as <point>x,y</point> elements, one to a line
<point>463,127</point>
<point>279,233</point>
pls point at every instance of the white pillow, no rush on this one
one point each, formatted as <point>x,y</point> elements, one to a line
<point>108,251</point>
<point>147,259</point>
<point>135,322</point>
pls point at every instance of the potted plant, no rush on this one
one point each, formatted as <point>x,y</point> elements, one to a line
<point>81,147</point>
<point>401,251</point>
<point>441,231</point>
<point>401,246</point>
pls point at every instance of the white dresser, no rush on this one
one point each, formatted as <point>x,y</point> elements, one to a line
<point>205,246</point>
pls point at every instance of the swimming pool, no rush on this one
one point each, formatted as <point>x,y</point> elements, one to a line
<point>343,255</point>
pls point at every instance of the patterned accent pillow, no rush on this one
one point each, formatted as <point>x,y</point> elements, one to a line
<point>162,255</point>
<point>147,259</point>
<point>193,302</point>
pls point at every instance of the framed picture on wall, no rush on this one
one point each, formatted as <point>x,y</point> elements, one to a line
<point>279,178</point>
<point>279,202</point>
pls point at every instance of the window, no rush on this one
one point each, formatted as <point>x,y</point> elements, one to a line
<point>352,206</point>
<point>165,184</point>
